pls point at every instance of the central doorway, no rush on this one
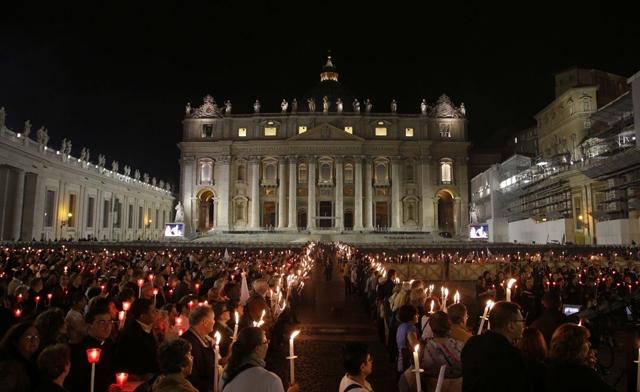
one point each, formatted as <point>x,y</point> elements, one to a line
<point>382,214</point>
<point>325,211</point>
<point>445,211</point>
<point>269,214</point>
<point>205,210</point>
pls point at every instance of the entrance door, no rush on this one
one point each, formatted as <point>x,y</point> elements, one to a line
<point>445,212</point>
<point>205,211</point>
<point>302,218</point>
<point>382,214</point>
<point>348,220</point>
<point>325,210</point>
<point>269,214</point>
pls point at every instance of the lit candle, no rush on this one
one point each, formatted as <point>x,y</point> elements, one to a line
<point>432,305</point>
<point>140,283</point>
<point>155,295</point>
<point>18,313</point>
<point>509,285</point>
<point>121,316</point>
<point>93,356</point>
<point>37,301</point>
<point>126,305</point>
<point>217,360</point>
<point>416,367</point>
<point>440,378</point>
<point>484,315</point>
<point>456,297</point>
<point>292,357</point>
<point>49,296</point>
<point>235,327</point>
<point>121,379</point>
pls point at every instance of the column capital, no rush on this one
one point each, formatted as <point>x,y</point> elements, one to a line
<point>339,159</point>
<point>396,159</point>
<point>223,159</point>
<point>292,158</point>
<point>254,159</point>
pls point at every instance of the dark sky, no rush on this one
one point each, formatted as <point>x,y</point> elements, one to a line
<point>115,76</point>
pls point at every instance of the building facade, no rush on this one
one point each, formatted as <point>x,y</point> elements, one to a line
<point>586,194</point>
<point>325,162</point>
<point>46,193</point>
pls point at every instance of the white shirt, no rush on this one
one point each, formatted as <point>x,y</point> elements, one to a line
<point>346,381</point>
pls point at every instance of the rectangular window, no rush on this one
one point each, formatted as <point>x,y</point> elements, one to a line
<point>157,218</point>
<point>381,131</point>
<point>164,217</point>
<point>348,130</point>
<point>71,216</point>
<point>242,132</point>
<point>49,208</point>
<point>149,218</point>
<point>408,132</point>
<point>302,129</point>
<point>130,220</point>
<point>117,213</point>
<point>91,205</point>
<point>270,131</point>
<point>579,218</point>
<point>106,207</point>
<point>140,217</point>
<point>207,130</point>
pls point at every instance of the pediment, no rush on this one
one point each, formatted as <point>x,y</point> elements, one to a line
<point>326,132</point>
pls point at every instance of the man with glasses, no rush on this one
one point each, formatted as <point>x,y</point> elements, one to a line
<point>491,362</point>
<point>99,323</point>
<point>201,322</point>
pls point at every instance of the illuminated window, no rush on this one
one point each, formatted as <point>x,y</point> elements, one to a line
<point>206,171</point>
<point>348,130</point>
<point>381,131</point>
<point>408,132</point>
<point>242,132</point>
<point>446,171</point>
<point>270,131</point>
<point>207,130</point>
<point>445,130</point>
<point>302,129</point>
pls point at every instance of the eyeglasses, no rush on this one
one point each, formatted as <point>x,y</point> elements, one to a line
<point>31,338</point>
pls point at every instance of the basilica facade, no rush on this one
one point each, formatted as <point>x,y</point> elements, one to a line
<point>327,161</point>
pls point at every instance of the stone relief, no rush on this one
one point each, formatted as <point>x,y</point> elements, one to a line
<point>209,108</point>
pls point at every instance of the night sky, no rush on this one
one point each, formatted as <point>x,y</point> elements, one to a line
<point>115,76</point>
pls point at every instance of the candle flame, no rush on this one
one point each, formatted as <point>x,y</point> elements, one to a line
<point>217,337</point>
<point>294,334</point>
<point>237,317</point>
<point>511,282</point>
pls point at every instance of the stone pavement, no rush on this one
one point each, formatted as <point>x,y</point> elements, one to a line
<point>327,322</point>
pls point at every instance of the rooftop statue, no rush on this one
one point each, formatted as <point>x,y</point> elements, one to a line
<point>368,106</point>
<point>256,106</point>
<point>463,110</point>
<point>339,105</point>
<point>27,128</point>
<point>179,213</point>
<point>284,105</point>
<point>394,106</point>
<point>115,166</point>
<point>325,104</point>
<point>187,109</point>
<point>294,105</point>
<point>312,104</point>
<point>227,107</point>
<point>424,107</point>
<point>356,106</point>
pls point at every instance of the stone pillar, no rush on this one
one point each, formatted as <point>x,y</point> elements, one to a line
<point>428,209</point>
<point>254,164</point>
<point>457,211</point>
<point>282,199</point>
<point>339,210</point>
<point>436,223</point>
<point>368,194</point>
<point>4,201</point>
<point>223,178</point>
<point>19,199</point>
<point>396,207</point>
<point>293,186</point>
<point>357,199</point>
<point>188,199</point>
<point>311,198</point>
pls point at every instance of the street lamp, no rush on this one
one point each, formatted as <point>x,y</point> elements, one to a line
<point>65,222</point>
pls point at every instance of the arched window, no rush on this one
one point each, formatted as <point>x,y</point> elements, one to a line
<point>381,173</point>
<point>325,172</point>
<point>242,172</point>
<point>270,172</point>
<point>446,171</point>
<point>206,171</point>
<point>586,104</point>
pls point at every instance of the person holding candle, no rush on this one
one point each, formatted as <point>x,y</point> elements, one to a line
<point>406,336</point>
<point>358,363</point>
<point>201,322</point>
<point>223,315</point>
<point>136,348</point>
<point>99,323</point>
<point>54,364</point>
<point>490,361</point>
<point>459,316</point>
<point>572,362</point>
<point>176,364</point>
<point>442,350</point>
<point>246,368</point>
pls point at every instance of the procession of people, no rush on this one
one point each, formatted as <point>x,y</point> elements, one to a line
<point>179,319</point>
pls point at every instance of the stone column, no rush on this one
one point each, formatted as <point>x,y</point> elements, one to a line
<point>254,164</point>
<point>368,194</point>
<point>293,186</point>
<point>282,199</point>
<point>396,207</point>
<point>436,222</point>
<point>339,196</point>
<point>188,199</point>
<point>17,212</point>
<point>223,178</point>
<point>428,210</point>
<point>457,219</point>
<point>4,200</point>
<point>357,199</point>
<point>311,198</point>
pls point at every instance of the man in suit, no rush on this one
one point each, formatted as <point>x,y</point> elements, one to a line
<point>136,349</point>
<point>201,322</point>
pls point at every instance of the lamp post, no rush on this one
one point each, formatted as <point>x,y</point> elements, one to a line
<point>65,222</point>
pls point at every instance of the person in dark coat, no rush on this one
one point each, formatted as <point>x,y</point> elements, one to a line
<point>54,364</point>
<point>99,324</point>
<point>491,362</point>
<point>136,349</point>
<point>201,322</point>
<point>571,362</point>
<point>552,317</point>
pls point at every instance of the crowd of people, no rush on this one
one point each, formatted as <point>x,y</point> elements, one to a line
<point>530,345</point>
<point>171,320</point>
